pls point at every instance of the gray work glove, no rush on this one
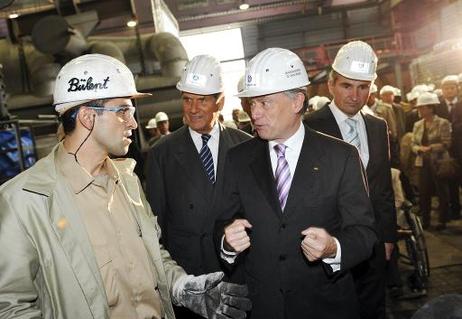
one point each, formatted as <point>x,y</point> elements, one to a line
<point>212,298</point>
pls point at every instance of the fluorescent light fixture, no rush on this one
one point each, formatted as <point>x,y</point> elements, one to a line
<point>13,15</point>
<point>244,6</point>
<point>132,23</point>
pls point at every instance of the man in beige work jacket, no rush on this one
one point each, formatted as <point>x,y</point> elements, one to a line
<point>77,237</point>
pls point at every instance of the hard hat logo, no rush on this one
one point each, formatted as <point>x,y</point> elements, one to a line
<point>292,73</point>
<point>87,85</point>
<point>196,80</point>
<point>360,67</point>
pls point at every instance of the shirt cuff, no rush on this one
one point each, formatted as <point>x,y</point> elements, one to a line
<point>228,256</point>
<point>334,262</point>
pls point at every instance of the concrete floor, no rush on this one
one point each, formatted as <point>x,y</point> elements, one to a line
<point>445,254</point>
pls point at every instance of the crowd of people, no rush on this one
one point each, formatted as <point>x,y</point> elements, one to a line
<point>290,214</point>
<point>425,142</point>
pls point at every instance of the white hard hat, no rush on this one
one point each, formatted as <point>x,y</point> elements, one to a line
<point>317,102</point>
<point>91,77</point>
<point>412,95</point>
<point>151,124</point>
<point>450,79</point>
<point>356,60</point>
<point>161,116</point>
<point>387,89</point>
<point>373,89</point>
<point>397,92</point>
<point>420,88</point>
<point>427,98</point>
<point>202,75</point>
<point>241,84</point>
<point>274,70</point>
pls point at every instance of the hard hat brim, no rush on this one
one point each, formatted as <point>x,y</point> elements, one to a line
<point>63,107</point>
<point>357,78</point>
<point>198,91</point>
<point>255,92</point>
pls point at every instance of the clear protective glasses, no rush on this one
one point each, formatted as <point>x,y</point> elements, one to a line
<point>126,112</point>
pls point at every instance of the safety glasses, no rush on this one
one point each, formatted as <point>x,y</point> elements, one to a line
<point>124,111</point>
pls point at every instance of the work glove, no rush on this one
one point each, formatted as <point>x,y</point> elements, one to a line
<point>212,298</point>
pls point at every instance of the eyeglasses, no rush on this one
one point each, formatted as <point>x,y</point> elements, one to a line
<point>124,111</point>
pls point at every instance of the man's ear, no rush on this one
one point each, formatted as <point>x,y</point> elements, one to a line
<point>221,101</point>
<point>298,102</point>
<point>86,117</point>
<point>330,86</point>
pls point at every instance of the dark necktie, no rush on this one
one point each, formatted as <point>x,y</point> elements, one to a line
<point>206,158</point>
<point>282,175</point>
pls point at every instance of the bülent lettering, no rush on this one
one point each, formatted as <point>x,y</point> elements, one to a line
<point>86,85</point>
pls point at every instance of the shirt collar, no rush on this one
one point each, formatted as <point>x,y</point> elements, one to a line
<point>340,116</point>
<point>454,101</point>
<point>78,177</point>
<point>294,141</point>
<point>214,133</point>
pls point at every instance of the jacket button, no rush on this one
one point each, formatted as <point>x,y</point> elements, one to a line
<point>191,206</point>
<point>282,257</point>
<point>283,226</point>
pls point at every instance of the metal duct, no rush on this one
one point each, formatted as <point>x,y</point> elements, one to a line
<point>169,51</point>
<point>53,35</point>
<point>108,48</point>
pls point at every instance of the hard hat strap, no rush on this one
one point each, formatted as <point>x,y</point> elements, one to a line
<point>86,138</point>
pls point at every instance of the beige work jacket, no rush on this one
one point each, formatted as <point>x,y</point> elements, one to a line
<point>47,265</point>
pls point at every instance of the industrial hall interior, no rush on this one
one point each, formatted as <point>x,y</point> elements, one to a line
<point>231,159</point>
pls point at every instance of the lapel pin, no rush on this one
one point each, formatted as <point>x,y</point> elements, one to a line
<point>315,168</point>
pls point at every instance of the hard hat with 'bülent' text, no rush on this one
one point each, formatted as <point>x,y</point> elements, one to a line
<point>202,75</point>
<point>273,70</point>
<point>356,60</point>
<point>92,77</point>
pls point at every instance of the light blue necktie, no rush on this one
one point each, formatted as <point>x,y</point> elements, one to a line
<point>352,136</point>
<point>206,158</point>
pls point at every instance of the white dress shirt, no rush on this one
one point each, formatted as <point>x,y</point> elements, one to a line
<point>293,148</point>
<point>451,104</point>
<point>341,118</point>
<point>213,143</point>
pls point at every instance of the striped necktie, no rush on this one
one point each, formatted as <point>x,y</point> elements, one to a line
<point>352,136</point>
<point>282,175</point>
<point>206,158</point>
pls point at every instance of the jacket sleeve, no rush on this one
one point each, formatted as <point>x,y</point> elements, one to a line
<point>385,199</point>
<point>229,208</point>
<point>416,142</point>
<point>357,236</point>
<point>172,270</point>
<point>155,189</point>
<point>19,266</point>
<point>444,132</point>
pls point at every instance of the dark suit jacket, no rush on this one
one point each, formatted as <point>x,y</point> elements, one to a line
<point>455,117</point>
<point>378,168</point>
<point>182,197</point>
<point>327,191</point>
